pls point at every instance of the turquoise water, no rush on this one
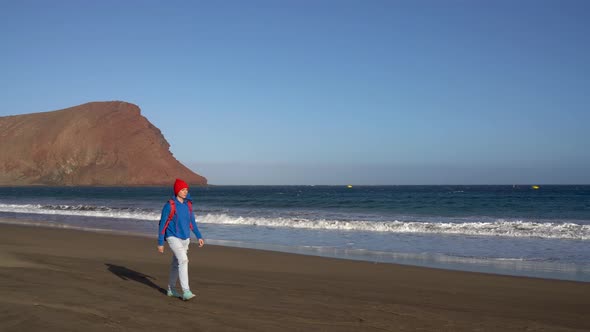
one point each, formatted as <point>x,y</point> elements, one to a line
<point>500,229</point>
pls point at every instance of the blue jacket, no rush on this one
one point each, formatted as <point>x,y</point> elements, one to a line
<point>179,226</point>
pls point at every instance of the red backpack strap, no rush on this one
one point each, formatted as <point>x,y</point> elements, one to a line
<point>170,215</point>
<point>190,208</point>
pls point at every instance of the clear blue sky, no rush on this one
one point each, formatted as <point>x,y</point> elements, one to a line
<point>323,92</point>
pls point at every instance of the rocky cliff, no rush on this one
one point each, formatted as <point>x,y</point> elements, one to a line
<point>94,144</point>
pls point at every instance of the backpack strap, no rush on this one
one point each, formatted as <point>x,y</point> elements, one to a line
<point>171,214</point>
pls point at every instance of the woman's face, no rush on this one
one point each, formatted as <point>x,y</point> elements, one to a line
<point>182,193</point>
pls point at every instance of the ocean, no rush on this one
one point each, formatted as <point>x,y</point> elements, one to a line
<point>513,230</point>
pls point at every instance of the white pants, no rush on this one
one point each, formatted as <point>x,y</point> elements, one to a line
<point>179,266</point>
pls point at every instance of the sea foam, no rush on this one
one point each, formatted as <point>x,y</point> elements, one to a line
<point>498,227</point>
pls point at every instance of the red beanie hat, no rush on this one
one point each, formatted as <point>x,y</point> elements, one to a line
<point>179,185</point>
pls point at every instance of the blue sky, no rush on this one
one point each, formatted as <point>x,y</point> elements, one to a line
<point>323,92</point>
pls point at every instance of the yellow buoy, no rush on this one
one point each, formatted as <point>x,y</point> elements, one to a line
<point>349,186</point>
<point>535,187</point>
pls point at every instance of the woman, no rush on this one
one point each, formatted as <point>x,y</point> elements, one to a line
<point>176,223</point>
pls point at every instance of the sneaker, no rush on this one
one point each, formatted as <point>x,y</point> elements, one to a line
<point>172,293</point>
<point>188,295</point>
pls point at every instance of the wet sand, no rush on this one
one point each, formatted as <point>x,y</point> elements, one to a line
<point>68,280</point>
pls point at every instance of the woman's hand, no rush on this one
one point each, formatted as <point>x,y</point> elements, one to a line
<point>201,243</point>
<point>161,249</point>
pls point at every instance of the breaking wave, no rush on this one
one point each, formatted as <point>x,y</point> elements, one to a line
<point>81,210</point>
<point>499,227</point>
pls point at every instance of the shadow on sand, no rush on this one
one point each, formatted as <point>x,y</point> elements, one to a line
<point>127,274</point>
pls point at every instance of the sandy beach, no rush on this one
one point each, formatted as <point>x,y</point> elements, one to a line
<point>69,280</point>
